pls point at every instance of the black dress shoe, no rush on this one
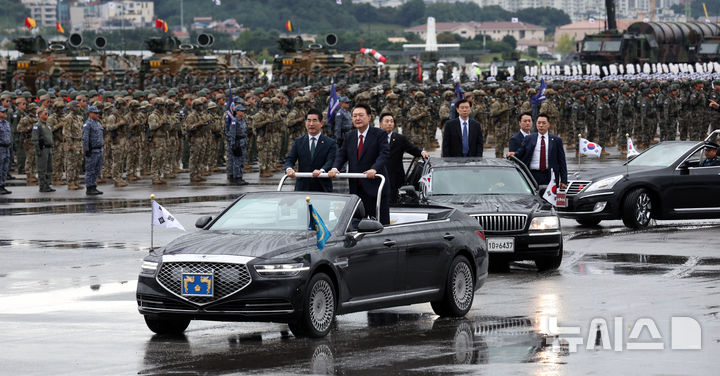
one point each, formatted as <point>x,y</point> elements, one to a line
<point>4,191</point>
<point>10,177</point>
<point>46,189</point>
<point>242,182</point>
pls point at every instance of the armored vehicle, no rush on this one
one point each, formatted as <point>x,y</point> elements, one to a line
<point>317,56</point>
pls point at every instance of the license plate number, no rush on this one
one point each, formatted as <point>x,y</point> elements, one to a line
<point>561,200</point>
<point>197,284</point>
<point>501,244</point>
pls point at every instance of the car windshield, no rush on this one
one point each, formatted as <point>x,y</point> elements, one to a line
<point>478,180</point>
<point>280,212</point>
<point>592,45</point>
<point>661,155</point>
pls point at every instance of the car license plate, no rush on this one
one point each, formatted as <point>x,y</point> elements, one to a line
<point>501,244</point>
<point>561,200</point>
<point>197,284</point>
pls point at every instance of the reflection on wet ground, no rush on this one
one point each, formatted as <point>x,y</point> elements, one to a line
<point>94,205</point>
<point>656,228</point>
<point>392,343</point>
<point>67,244</point>
<point>672,266</point>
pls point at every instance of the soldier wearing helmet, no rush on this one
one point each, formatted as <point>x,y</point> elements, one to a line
<point>418,122</point>
<point>55,123</point>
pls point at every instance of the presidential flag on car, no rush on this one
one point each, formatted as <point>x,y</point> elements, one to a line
<point>317,224</point>
<point>161,217</point>
<point>631,151</point>
<point>333,104</point>
<point>550,194</point>
<point>589,148</point>
<point>427,181</point>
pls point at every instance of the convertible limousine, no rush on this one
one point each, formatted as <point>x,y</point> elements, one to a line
<point>258,261</point>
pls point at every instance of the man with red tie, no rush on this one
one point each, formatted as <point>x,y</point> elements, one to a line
<point>543,152</point>
<point>365,150</point>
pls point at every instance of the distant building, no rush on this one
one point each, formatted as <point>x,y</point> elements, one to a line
<point>495,30</point>
<point>43,11</point>
<point>120,14</point>
<point>578,30</point>
<point>229,26</point>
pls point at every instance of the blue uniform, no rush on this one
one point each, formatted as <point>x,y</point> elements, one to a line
<point>236,136</point>
<point>4,151</point>
<point>343,123</point>
<point>92,138</point>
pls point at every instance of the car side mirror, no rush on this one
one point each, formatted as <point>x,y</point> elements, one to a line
<point>369,226</point>
<point>203,221</point>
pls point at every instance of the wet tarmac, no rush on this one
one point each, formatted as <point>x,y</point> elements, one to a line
<point>69,264</point>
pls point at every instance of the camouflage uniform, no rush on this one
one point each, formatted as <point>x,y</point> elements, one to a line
<point>136,125</point>
<point>578,116</point>
<point>603,118</point>
<point>294,122</point>
<point>625,118</point>
<point>194,122</point>
<point>55,123</point>
<point>277,131</point>
<point>24,129</point>
<point>500,117</point>
<point>116,124</point>
<point>393,108</point>
<point>158,132</point>
<point>260,122</point>
<point>671,108</point>
<point>549,107</point>
<point>418,122</point>
<point>72,136</point>
<point>648,120</point>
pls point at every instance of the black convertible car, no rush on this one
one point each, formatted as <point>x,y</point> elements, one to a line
<point>504,198</point>
<point>257,261</point>
<point>664,182</point>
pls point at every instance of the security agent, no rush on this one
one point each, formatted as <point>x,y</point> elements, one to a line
<point>543,152</point>
<point>92,138</point>
<point>5,142</point>
<point>711,158</point>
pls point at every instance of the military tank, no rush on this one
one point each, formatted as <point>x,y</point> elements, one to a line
<point>172,55</point>
<point>71,56</point>
<point>315,56</point>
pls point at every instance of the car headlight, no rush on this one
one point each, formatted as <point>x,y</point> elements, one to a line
<point>602,184</point>
<point>544,223</point>
<point>280,270</point>
<point>148,267</point>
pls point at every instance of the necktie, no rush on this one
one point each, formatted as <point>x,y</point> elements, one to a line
<point>542,154</point>
<point>465,145</point>
<point>360,145</point>
<point>312,148</point>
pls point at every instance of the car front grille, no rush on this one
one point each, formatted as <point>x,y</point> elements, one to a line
<point>228,278</point>
<point>577,186</point>
<point>502,222</point>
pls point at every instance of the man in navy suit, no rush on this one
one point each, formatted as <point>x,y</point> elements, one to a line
<point>314,153</point>
<point>365,149</point>
<point>399,145</point>
<point>525,129</point>
<point>462,137</point>
<point>543,152</point>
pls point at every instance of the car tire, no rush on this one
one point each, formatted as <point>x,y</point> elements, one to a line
<point>549,263</point>
<point>459,290</point>
<point>166,325</point>
<point>588,222</point>
<point>637,209</point>
<point>318,311</point>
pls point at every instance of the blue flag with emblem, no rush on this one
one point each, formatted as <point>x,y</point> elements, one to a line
<point>230,107</point>
<point>458,91</point>
<point>317,224</point>
<point>536,102</point>
<point>333,104</point>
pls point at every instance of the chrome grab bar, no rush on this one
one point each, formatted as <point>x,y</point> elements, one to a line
<point>341,175</point>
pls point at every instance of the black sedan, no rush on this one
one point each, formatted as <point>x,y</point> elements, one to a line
<point>504,198</point>
<point>258,261</point>
<point>664,182</point>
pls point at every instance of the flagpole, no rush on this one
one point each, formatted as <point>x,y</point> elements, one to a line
<point>152,198</point>
<point>578,150</point>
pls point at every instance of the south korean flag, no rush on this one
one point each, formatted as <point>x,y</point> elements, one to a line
<point>161,217</point>
<point>550,194</point>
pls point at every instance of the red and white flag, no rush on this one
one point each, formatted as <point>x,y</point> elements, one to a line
<point>589,148</point>
<point>550,194</point>
<point>631,151</point>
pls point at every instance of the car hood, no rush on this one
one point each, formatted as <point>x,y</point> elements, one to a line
<point>474,204</point>
<point>595,175</point>
<point>258,243</point>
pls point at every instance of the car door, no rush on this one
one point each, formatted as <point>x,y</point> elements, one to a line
<point>427,253</point>
<point>372,265</point>
<point>693,190</point>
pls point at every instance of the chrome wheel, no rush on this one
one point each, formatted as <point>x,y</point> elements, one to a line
<point>462,282</point>
<point>322,305</point>
<point>643,209</point>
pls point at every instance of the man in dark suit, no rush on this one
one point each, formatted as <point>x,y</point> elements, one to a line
<point>462,137</point>
<point>314,153</point>
<point>525,129</point>
<point>365,150</point>
<point>543,152</point>
<point>399,145</point>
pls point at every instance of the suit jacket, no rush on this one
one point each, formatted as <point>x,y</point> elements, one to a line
<point>555,150</point>
<point>374,155</point>
<point>516,140</point>
<point>399,145</point>
<point>452,139</point>
<point>325,152</point>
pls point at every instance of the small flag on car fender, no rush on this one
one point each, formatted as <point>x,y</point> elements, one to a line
<point>162,218</point>
<point>317,224</point>
<point>550,194</point>
<point>589,148</point>
<point>427,181</point>
<point>631,151</point>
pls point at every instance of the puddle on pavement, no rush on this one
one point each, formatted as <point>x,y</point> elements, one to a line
<point>97,205</point>
<point>632,264</point>
<point>67,244</point>
<point>610,231</point>
<point>391,343</point>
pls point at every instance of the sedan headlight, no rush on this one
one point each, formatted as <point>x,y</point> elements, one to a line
<point>602,184</point>
<point>544,223</point>
<point>280,270</point>
<point>148,267</point>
